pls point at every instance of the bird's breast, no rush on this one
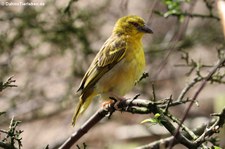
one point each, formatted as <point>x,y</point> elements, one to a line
<point>122,77</point>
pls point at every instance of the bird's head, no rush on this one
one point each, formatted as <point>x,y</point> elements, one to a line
<point>131,25</point>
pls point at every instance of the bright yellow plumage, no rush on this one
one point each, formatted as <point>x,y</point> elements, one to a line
<point>117,66</point>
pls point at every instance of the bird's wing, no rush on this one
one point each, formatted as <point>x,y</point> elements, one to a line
<point>110,54</point>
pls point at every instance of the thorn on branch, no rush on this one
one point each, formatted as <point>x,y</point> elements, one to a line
<point>84,146</point>
<point>153,92</point>
<point>168,104</point>
<point>8,83</point>
<point>144,75</point>
<point>129,105</point>
<point>136,96</point>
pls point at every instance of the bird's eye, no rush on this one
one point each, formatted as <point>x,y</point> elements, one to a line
<point>134,23</point>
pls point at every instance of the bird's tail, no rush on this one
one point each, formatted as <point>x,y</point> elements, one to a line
<point>81,107</point>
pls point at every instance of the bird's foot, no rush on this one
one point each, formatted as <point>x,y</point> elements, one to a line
<point>117,102</point>
<point>107,104</point>
<point>114,102</point>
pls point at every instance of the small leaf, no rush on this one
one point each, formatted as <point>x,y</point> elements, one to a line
<point>216,147</point>
<point>154,120</point>
<point>150,120</point>
<point>157,115</point>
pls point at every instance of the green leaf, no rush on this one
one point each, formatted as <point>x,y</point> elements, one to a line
<point>150,120</point>
<point>155,120</point>
<point>216,147</point>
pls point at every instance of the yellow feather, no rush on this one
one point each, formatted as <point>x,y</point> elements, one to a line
<point>82,106</point>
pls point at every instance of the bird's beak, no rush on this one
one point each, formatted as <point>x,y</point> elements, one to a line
<point>145,29</point>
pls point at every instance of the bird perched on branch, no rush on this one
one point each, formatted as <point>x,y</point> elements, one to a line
<point>117,66</point>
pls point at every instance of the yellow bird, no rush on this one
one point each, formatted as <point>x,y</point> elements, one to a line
<point>117,66</point>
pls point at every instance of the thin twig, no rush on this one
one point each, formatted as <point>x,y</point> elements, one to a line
<point>167,141</point>
<point>190,132</point>
<point>153,92</point>
<point>219,63</point>
<point>188,87</point>
<point>214,128</point>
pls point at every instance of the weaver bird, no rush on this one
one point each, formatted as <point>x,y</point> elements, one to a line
<point>118,65</point>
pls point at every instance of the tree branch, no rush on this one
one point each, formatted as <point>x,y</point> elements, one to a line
<point>141,106</point>
<point>86,127</point>
<point>138,106</point>
<point>202,85</point>
<point>167,141</point>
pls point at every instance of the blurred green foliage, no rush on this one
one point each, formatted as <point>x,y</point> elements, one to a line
<point>32,27</point>
<point>176,8</point>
